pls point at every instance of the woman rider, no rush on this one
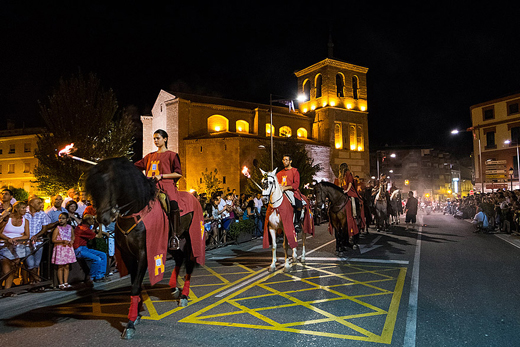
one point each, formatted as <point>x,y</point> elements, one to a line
<point>164,166</point>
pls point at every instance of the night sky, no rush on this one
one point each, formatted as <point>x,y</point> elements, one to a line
<point>427,65</point>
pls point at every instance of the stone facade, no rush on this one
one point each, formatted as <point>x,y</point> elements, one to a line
<point>211,133</point>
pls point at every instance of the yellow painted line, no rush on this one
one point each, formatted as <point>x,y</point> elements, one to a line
<point>96,305</point>
<point>216,274</point>
<point>149,305</point>
<point>391,314</point>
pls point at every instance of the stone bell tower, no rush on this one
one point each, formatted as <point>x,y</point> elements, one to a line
<point>336,94</point>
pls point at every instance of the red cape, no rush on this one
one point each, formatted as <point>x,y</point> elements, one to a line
<point>188,203</point>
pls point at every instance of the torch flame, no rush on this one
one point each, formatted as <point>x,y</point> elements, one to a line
<point>66,150</point>
<point>245,172</point>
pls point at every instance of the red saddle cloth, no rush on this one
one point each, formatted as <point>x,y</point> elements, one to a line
<point>351,222</point>
<point>157,227</point>
<point>286,212</point>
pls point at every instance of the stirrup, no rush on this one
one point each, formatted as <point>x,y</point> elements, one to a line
<point>173,243</point>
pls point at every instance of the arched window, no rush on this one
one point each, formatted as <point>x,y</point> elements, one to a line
<point>338,136</point>
<point>307,89</point>
<point>340,84</point>
<point>217,123</point>
<point>318,85</point>
<point>301,133</point>
<point>268,129</point>
<point>285,131</point>
<point>355,87</point>
<point>242,126</point>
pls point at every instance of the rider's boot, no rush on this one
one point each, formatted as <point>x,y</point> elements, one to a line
<point>297,219</point>
<point>175,219</point>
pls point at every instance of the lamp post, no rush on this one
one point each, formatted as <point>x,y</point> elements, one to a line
<point>472,129</point>
<point>290,103</point>
<point>511,171</point>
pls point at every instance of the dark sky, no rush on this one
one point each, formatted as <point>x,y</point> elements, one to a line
<point>427,63</point>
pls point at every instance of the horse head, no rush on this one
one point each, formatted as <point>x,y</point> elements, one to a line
<point>319,194</point>
<point>117,188</point>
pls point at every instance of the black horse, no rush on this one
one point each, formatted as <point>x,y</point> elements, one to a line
<point>337,215</point>
<point>119,190</point>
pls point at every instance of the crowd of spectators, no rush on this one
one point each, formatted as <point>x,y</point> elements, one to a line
<point>66,231</point>
<point>491,212</point>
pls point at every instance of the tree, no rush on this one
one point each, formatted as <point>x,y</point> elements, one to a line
<point>210,183</point>
<point>300,160</point>
<point>80,111</point>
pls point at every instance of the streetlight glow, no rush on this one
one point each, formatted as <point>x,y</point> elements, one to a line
<point>301,98</point>
<point>455,131</point>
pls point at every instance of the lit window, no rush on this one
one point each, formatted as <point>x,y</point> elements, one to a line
<point>242,126</point>
<point>352,137</point>
<point>268,129</point>
<point>285,131</point>
<point>218,123</point>
<point>338,139</point>
<point>302,133</point>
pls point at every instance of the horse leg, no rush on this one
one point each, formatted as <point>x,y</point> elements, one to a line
<point>137,270</point>
<point>272,232</point>
<point>178,257</point>
<point>287,263</point>
<point>304,236</point>
<point>190,264</point>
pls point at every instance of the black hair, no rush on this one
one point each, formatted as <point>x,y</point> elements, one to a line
<point>288,156</point>
<point>65,214</point>
<point>164,135</point>
<point>71,202</point>
<point>8,190</point>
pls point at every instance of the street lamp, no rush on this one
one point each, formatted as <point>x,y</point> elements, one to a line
<point>290,103</point>
<point>472,129</point>
<point>511,171</point>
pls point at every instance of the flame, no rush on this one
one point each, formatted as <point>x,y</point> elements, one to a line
<point>66,150</point>
<point>245,172</point>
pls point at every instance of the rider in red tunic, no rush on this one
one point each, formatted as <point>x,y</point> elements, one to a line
<point>346,181</point>
<point>289,179</point>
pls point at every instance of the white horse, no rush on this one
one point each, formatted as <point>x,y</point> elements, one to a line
<point>394,201</point>
<point>272,189</point>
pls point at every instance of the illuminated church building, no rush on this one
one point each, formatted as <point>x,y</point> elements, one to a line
<point>210,132</point>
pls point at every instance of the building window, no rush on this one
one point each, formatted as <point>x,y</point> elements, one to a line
<point>490,140</point>
<point>1,151</point>
<point>515,135</point>
<point>285,131</point>
<point>338,136</point>
<point>12,149</point>
<point>242,126</point>
<point>268,129</point>
<point>512,107</point>
<point>302,133</point>
<point>0,169</point>
<point>307,89</point>
<point>319,81</point>
<point>360,138</point>
<point>488,113</point>
<point>217,123</point>
<point>27,147</point>
<point>339,85</point>
<point>27,168</point>
<point>223,179</point>
<point>10,168</point>
<point>352,137</point>
<point>355,87</point>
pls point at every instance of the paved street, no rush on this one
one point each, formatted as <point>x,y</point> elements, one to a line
<point>442,285</point>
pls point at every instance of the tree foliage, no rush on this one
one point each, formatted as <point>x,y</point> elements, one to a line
<point>300,160</point>
<point>210,183</point>
<point>80,111</point>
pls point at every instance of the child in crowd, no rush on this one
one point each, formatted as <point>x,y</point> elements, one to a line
<point>63,253</point>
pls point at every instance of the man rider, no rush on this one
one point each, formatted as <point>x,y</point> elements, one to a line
<point>289,180</point>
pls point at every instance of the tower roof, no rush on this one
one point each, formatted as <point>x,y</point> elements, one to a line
<point>331,62</point>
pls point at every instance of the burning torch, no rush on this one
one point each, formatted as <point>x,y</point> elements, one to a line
<point>65,152</point>
<point>245,172</point>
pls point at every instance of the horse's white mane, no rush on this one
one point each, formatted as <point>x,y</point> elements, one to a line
<point>394,194</point>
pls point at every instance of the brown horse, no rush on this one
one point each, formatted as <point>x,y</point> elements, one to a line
<point>121,192</point>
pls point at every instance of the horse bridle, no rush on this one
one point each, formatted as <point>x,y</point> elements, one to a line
<point>271,190</point>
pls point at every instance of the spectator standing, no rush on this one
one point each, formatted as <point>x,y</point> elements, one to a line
<point>63,252</point>
<point>74,219</point>
<point>38,226</point>
<point>55,210</point>
<point>5,209</point>
<point>225,208</point>
<point>71,193</point>
<point>11,249</point>
<point>411,210</point>
<point>259,203</point>
<point>82,203</point>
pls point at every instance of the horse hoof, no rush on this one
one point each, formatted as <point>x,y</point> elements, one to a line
<point>302,259</point>
<point>271,269</point>
<point>183,302</point>
<point>137,320</point>
<point>355,247</point>
<point>128,334</point>
<point>176,293</point>
<point>287,269</point>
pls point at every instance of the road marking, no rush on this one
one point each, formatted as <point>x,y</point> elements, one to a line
<point>363,286</point>
<point>411,317</point>
<point>509,239</point>
<point>370,246</point>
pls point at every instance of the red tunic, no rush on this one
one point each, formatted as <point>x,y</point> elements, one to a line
<point>343,183</point>
<point>155,164</point>
<point>82,234</point>
<point>291,178</point>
